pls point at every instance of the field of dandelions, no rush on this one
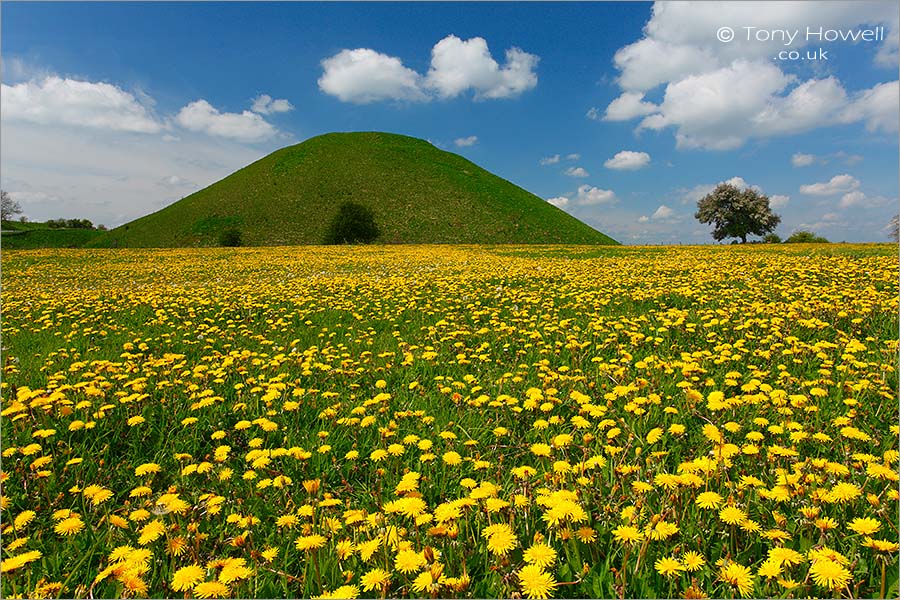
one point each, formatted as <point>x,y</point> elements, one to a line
<point>534,422</point>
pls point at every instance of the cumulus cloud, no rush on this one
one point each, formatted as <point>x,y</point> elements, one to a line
<point>175,181</point>
<point>839,184</point>
<point>466,141</point>
<point>264,104</point>
<point>573,156</point>
<point>662,213</point>
<point>362,76</point>
<point>779,201</point>
<point>458,66</point>
<point>854,198</point>
<point>802,160</point>
<point>628,106</point>
<point>680,37</point>
<point>626,160</point>
<point>246,126</point>
<point>877,107</point>
<point>717,96</point>
<point>588,196</point>
<point>62,101</point>
<point>559,201</point>
<point>576,172</point>
<point>550,160</point>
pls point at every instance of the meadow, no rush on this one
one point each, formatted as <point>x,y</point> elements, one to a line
<point>451,421</point>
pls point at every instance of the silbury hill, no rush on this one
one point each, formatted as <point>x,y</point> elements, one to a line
<point>418,194</point>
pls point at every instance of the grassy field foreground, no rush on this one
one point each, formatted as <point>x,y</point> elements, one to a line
<point>451,421</point>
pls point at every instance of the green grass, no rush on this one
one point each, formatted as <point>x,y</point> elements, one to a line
<point>28,236</point>
<point>419,194</point>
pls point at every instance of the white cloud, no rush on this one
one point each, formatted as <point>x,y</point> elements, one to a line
<point>550,160</point>
<point>362,76</point>
<point>559,201</point>
<point>460,65</point>
<point>627,106</point>
<point>662,213</point>
<point>246,126</point>
<point>802,160</point>
<point>175,181</point>
<point>264,104</point>
<point>466,141</point>
<point>576,172</point>
<point>839,184</point>
<point>589,196</point>
<point>779,201</point>
<point>877,107</point>
<point>680,37</point>
<point>853,198</point>
<point>626,160</point>
<point>717,96</point>
<point>643,219</point>
<point>61,101</point>
<point>573,156</point>
<point>109,177</point>
<point>594,114</point>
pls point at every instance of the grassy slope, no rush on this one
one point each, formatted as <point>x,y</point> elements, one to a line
<point>25,236</point>
<point>419,194</point>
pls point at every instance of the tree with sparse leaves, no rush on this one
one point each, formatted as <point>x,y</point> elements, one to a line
<point>736,213</point>
<point>894,228</point>
<point>9,208</point>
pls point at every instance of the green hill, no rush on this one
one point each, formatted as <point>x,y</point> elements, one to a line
<point>418,193</point>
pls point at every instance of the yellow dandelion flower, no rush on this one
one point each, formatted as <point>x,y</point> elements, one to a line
<point>187,577</point>
<point>534,582</point>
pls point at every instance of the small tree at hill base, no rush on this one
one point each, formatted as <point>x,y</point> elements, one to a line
<point>353,224</point>
<point>805,237</point>
<point>231,238</point>
<point>9,208</point>
<point>736,213</point>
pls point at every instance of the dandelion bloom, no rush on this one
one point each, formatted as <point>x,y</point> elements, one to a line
<point>739,576</point>
<point>787,556</point>
<point>865,526</point>
<point>732,515</point>
<point>541,555</point>
<point>534,582</point>
<point>692,561</point>
<point>69,526</point>
<point>708,500</point>
<point>210,589</point>
<point>668,566</point>
<point>187,577</point>
<point>830,574</point>
<point>408,561</point>
<point>376,579</point>
<point>627,534</point>
<point>309,542</point>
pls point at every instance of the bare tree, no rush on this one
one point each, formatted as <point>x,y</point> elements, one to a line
<point>9,208</point>
<point>894,228</point>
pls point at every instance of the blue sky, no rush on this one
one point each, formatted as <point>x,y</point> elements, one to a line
<point>113,110</point>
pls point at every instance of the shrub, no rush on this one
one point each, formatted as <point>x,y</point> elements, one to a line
<point>805,237</point>
<point>230,238</point>
<point>353,224</point>
<point>772,238</point>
